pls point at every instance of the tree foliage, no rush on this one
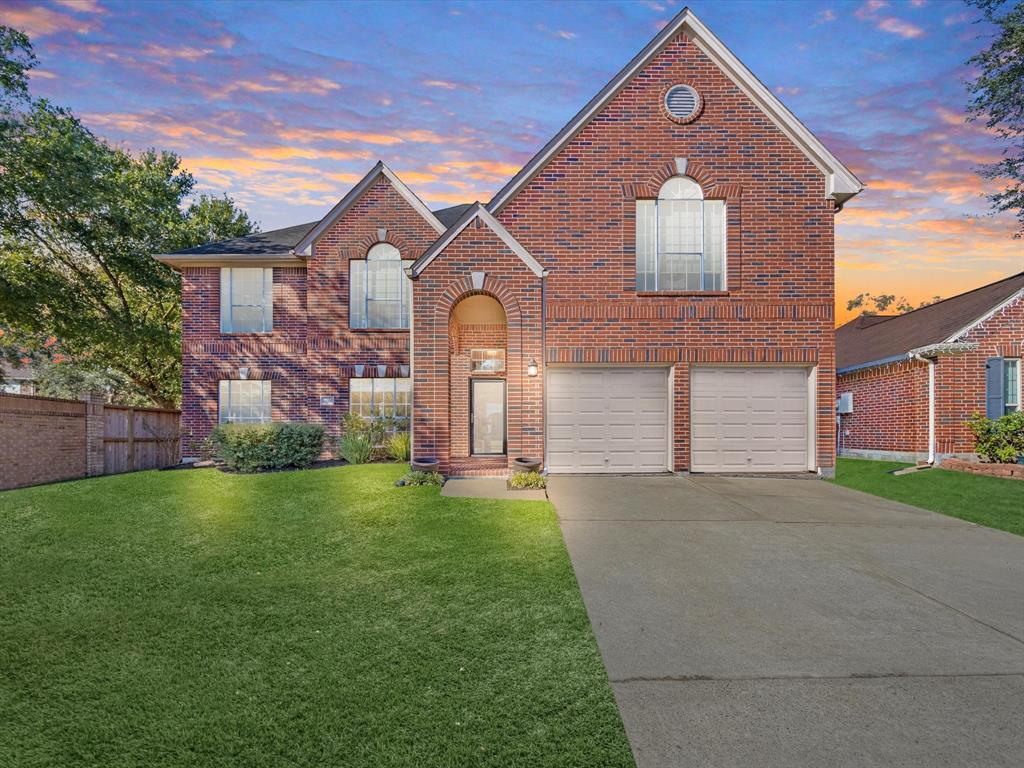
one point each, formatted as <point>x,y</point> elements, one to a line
<point>80,220</point>
<point>997,101</point>
<point>873,304</point>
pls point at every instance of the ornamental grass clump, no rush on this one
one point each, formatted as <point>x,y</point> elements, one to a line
<point>262,447</point>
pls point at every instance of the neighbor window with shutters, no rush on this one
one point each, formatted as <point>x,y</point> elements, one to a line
<point>680,240</point>
<point>246,299</point>
<point>244,401</point>
<point>381,398</point>
<point>380,293</point>
<point>1011,385</point>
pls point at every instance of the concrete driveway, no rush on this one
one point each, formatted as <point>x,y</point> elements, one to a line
<point>771,622</point>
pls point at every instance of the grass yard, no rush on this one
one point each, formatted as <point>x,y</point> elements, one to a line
<point>294,619</point>
<point>992,501</point>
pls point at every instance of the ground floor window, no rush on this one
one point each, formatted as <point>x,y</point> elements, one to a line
<point>381,398</point>
<point>244,401</point>
<point>1011,385</point>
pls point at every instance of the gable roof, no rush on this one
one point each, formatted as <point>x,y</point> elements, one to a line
<point>357,192</point>
<point>873,340</point>
<point>473,212</point>
<point>273,246</point>
<point>841,184</point>
<point>451,216</point>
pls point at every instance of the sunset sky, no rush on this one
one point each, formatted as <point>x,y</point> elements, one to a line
<point>285,105</point>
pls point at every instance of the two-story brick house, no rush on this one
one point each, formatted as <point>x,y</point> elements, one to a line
<point>653,291</point>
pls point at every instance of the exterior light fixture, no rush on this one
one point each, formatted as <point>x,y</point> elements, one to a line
<point>531,367</point>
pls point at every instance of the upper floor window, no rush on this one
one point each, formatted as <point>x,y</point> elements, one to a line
<point>244,401</point>
<point>379,291</point>
<point>246,299</point>
<point>680,239</point>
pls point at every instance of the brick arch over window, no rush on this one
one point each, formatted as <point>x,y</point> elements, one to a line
<point>363,246</point>
<point>732,194</point>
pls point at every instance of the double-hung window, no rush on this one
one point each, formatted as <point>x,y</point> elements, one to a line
<point>680,240</point>
<point>379,290</point>
<point>246,299</point>
<point>1011,385</point>
<point>381,398</point>
<point>244,401</point>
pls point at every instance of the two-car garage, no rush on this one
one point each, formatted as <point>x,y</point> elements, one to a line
<point>620,419</point>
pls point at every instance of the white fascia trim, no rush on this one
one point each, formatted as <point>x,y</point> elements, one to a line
<point>995,310</point>
<point>841,183</point>
<point>477,212</point>
<point>179,261</point>
<point>355,193</point>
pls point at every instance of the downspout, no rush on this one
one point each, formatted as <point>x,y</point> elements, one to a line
<point>931,403</point>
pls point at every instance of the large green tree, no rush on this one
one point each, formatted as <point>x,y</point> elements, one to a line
<point>997,100</point>
<point>79,222</point>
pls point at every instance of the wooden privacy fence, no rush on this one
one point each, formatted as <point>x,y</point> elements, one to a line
<point>44,439</point>
<point>139,438</point>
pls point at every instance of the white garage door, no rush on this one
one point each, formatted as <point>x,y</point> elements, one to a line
<point>748,419</point>
<point>607,419</point>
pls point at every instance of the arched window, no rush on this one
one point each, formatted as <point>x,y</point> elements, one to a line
<point>680,239</point>
<point>379,291</point>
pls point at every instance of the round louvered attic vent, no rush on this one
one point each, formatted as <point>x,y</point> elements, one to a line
<point>682,102</point>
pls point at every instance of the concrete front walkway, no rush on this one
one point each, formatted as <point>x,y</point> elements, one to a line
<point>770,622</point>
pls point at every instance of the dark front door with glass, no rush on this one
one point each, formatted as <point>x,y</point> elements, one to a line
<point>487,417</point>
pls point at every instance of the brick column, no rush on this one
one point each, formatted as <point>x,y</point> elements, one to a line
<point>94,428</point>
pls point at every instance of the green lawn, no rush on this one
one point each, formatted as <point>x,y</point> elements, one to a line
<point>992,501</point>
<point>294,619</point>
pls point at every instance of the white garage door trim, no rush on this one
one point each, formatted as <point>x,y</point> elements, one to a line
<point>710,424</point>
<point>629,410</point>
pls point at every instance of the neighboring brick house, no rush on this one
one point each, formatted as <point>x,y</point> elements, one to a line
<point>652,292</point>
<point>916,379</point>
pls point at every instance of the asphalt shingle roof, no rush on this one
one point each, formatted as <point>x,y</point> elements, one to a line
<point>870,338</point>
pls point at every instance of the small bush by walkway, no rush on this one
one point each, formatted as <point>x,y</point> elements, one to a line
<point>303,618</point>
<point>992,501</point>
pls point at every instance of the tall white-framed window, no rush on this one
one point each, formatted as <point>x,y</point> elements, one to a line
<point>1011,385</point>
<point>380,293</point>
<point>380,398</point>
<point>680,239</point>
<point>244,401</point>
<point>246,299</point>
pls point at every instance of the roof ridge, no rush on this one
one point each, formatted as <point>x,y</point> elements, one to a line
<point>959,295</point>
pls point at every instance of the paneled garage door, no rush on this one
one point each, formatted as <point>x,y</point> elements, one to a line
<point>748,419</point>
<point>607,419</point>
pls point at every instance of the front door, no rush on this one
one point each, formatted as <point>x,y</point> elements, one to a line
<point>487,416</point>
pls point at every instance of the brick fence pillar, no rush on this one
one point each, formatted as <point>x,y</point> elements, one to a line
<point>94,429</point>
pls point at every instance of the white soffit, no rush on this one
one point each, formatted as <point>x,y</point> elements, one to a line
<point>841,183</point>
<point>355,193</point>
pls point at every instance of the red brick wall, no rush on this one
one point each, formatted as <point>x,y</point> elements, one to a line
<point>890,408</point>
<point>311,352</point>
<point>42,440</point>
<point>577,217</point>
<point>891,402</point>
<point>437,290</point>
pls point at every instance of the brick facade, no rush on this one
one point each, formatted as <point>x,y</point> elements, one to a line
<point>576,217</point>
<point>891,401</point>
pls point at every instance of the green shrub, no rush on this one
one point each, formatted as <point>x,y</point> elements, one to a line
<point>422,478</point>
<point>256,447</point>
<point>999,440</point>
<point>398,446</point>
<point>523,480</point>
<point>355,448</point>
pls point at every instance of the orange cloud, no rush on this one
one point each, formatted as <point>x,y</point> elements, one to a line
<point>868,217</point>
<point>39,20</point>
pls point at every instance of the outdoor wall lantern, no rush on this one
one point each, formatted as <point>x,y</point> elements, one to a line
<point>531,367</point>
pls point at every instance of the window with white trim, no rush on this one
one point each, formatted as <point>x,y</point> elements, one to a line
<point>1011,385</point>
<point>380,398</point>
<point>680,239</point>
<point>246,299</point>
<point>487,360</point>
<point>245,401</point>
<point>380,293</point>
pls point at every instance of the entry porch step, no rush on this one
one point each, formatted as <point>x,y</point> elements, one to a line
<point>482,466</point>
